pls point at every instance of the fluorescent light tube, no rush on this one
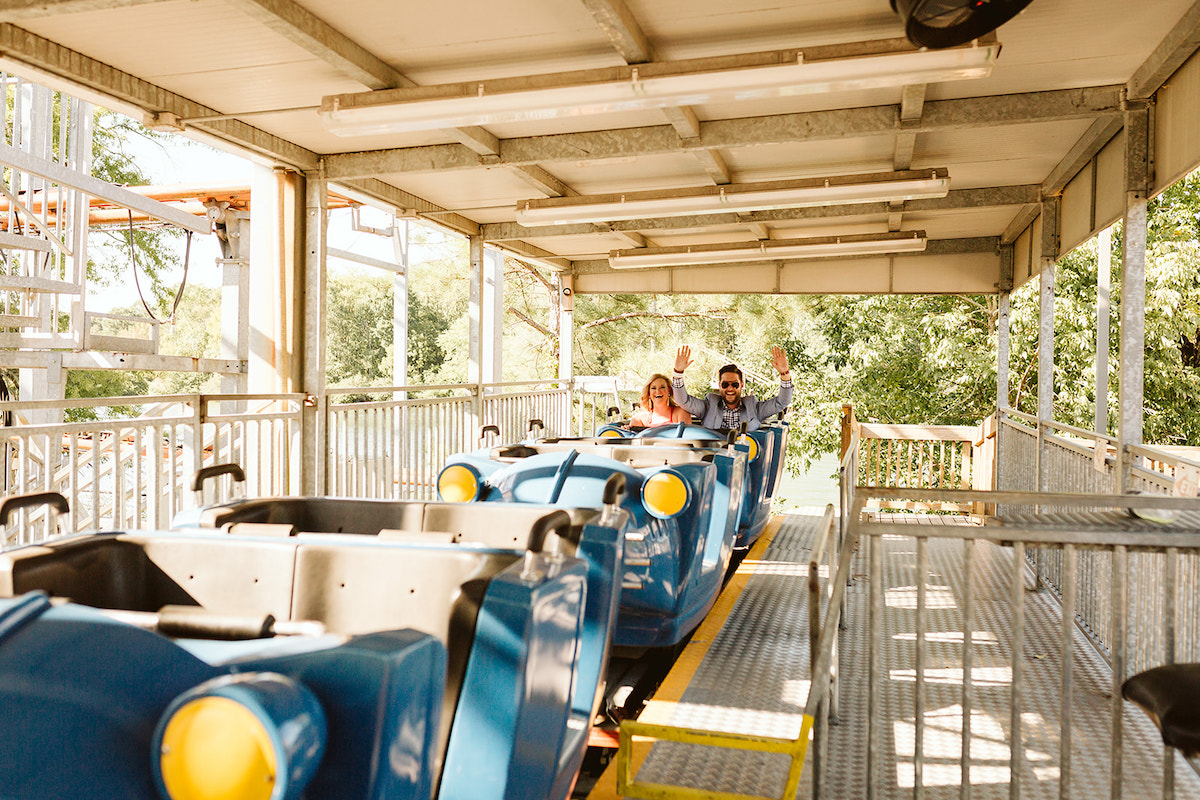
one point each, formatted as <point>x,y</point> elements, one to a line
<point>738,197</point>
<point>769,250</point>
<point>752,76</point>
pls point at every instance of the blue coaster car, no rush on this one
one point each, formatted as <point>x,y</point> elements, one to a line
<point>767,446</point>
<point>682,503</point>
<point>250,664</point>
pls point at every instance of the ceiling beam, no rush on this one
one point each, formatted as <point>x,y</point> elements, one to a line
<point>1092,142</point>
<point>939,115</point>
<point>632,239</point>
<point>543,181</point>
<point>1022,220</point>
<point>92,79</point>
<point>631,43</point>
<point>404,204</point>
<point>912,102</point>
<point>536,255</point>
<point>298,25</point>
<point>85,77</point>
<point>1175,48</point>
<point>31,9</point>
<point>623,30</point>
<point>957,199</point>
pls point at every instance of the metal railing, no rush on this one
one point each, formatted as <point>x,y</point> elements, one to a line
<point>1043,455</point>
<point>132,468</point>
<point>944,594</point>
<point>910,456</point>
<point>394,448</point>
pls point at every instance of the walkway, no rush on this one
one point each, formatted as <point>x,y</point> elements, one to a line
<point>747,671</point>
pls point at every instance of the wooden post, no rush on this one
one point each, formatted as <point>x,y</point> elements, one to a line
<point>848,423</point>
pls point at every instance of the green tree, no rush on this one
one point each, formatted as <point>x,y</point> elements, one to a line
<point>360,330</point>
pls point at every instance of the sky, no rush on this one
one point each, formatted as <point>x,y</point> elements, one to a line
<point>178,160</point>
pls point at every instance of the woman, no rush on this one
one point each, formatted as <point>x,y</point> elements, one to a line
<point>658,406</point>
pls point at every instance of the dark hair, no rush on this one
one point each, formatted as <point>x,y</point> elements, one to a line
<point>730,368</point>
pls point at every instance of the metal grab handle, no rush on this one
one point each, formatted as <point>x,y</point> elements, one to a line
<point>614,487</point>
<point>613,411</point>
<point>216,470</point>
<point>557,522</point>
<point>18,501</point>
<point>614,490</point>
<point>486,429</point>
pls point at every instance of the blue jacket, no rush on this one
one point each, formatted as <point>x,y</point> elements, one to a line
<point>754,411</point>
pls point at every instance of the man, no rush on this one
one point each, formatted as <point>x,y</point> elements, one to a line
<point>729,408</point>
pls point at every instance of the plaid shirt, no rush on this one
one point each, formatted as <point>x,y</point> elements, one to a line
<point>731,417</point>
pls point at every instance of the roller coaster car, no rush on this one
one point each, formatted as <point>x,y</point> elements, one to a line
<point>239,662</point>
<point>767,447</point>
<point>683,505</point>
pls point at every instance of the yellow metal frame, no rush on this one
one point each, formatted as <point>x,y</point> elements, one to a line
<point>627,786</point>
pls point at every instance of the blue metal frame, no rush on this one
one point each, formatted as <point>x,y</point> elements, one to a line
<point>74,680</point>
<point>672,568</point>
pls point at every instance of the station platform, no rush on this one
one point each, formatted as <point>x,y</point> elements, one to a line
<point>746,670</point>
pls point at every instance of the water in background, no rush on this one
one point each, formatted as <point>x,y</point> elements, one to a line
<point>817,487</point>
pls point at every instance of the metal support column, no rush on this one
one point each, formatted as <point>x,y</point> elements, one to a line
<point>1103,312</point>
<point>564,285</point>
<point>1047,253</point>
<point>314,279</point>
<point>276,245</point>
<point>235,291</point>
<point>566,328</point>
<point>475,330</point>
<point>492,309</point>
<point>401,239</point>
<point>1003,338</point>
<point>1133,286</point>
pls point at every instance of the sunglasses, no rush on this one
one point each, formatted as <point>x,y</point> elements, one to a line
<point>730,384</point>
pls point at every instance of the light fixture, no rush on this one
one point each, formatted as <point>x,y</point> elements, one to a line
<point>909,184</point>
<point>749,76</point>
<point>769,250</point>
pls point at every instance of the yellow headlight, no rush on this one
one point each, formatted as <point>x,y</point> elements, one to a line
<point>458,484</point>
<point>665,494</point>
<point>214,748</point>
<point>751,443</point>
<point>609,434</point>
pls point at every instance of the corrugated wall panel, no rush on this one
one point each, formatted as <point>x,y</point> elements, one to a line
<point>657,281</point>
<point>1110,182</point>
<point>1076,211</point>
<point>866,275</point>
<point>968,273</point>
<point>750,278</point>
<point>1177,125</point>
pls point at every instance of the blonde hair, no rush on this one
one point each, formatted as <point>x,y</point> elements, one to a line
<point>646,404</point>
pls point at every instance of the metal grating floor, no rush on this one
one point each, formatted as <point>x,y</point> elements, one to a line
<point>754,679</point>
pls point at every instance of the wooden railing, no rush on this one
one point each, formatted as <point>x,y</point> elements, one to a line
<point>920,457</point>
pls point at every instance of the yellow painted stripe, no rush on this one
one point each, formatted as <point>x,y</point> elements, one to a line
<point>658,710</point>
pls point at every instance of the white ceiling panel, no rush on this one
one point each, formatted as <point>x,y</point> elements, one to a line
<point>169,55</point>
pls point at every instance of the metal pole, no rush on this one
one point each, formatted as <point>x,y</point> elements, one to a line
<point>1103,312</point>
<point>475,329</point>
<point>1133,286</point>
<point>314,278</point>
